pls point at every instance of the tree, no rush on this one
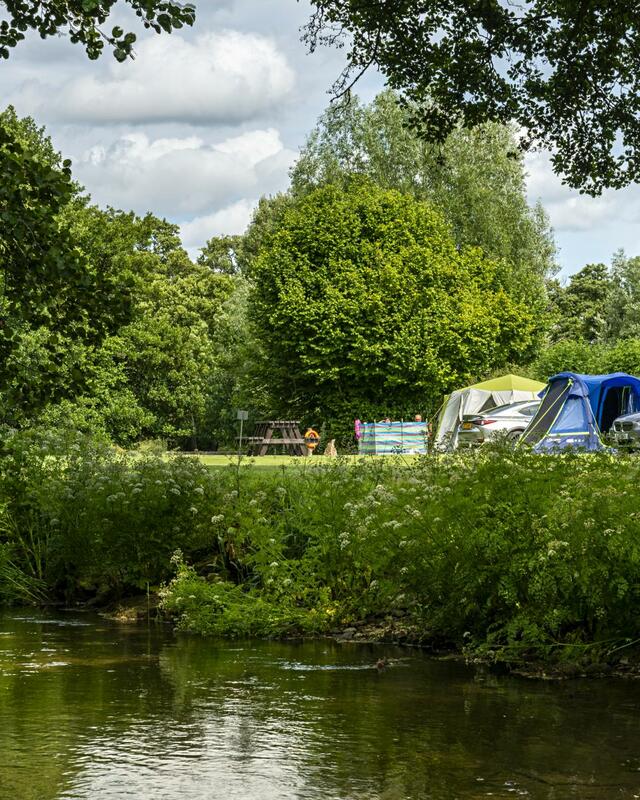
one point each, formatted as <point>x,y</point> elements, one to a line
<point>221,254</point>
<point>366,307</point>
<point>580,309</point>
<point>623,307</point>
<point>82,20</point>
<point>476,179</point>
<point>40,265</point>
<point>233,255</point>
<point>151,367</point>
<point>566,72</point>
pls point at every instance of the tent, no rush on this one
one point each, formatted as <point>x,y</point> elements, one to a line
<point>577,409</point>
<point>386,438</point>
<point>478,398</point>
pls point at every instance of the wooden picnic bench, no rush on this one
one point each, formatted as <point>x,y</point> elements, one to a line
<point>283,433</point>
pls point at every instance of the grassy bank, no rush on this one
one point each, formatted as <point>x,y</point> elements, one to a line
<point>505,554</point>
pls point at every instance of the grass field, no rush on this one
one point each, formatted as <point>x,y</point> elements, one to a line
<point>293,462</point>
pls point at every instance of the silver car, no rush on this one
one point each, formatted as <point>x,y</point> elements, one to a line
<point>625,431</point>
<point>507,421</point>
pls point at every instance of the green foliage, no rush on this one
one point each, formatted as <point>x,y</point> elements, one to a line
<point>598,307</point>
<point>364,304</point>
<point>564,72</point>
<point>84,21</point>
<point>78,516</point>
<point>475,178</point>
<point>118,333</point>
<point>36,250</point>
<point>221,254</point>
<point>593,359</point>
<point>227,610</point>
<point>580,309</point>
<point>503,552</point>
<point>623,310</point>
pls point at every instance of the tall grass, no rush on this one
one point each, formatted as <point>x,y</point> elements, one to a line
<point>503,552</point>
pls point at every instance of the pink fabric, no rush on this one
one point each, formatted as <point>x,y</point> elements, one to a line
<point>357,426</point>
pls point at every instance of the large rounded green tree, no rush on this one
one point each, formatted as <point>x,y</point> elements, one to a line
<point>366,307</point>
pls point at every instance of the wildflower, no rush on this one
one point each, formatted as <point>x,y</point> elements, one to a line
<point>198,490</point>
<point>274,564</point>
<point>193,510</point>
<point>217,518</point>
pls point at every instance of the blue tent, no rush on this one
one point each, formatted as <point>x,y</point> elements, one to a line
<point>577,409</point>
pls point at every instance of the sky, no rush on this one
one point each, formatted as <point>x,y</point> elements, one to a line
<point>207,120</point>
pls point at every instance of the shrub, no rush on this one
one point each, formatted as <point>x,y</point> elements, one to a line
<point>85,517</point>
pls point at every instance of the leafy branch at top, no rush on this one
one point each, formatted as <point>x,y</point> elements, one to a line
<point>82,20</point>
<point>565,72</point>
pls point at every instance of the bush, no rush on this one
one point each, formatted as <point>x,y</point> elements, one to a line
<point>503,552</point>
<point>84,517</point>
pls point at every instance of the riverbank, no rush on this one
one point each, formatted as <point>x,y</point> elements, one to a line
<point>502,555</point>
<point>399,630</point>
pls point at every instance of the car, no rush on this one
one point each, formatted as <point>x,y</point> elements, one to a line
<point>508,421</point>
<point>625,431</point>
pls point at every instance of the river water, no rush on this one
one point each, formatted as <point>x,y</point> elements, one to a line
<point>92,709</point>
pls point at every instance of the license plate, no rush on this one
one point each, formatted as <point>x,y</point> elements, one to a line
<point>466,426</point>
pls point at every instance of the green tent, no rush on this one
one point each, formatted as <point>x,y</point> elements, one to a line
<point>508,383</point>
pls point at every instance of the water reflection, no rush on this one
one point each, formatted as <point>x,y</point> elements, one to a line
<point>89,709</point>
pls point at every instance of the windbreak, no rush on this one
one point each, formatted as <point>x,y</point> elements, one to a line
<point>548,412</point>
<point>387,438</point>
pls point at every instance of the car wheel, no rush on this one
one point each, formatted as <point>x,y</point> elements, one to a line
<point>513,436</point>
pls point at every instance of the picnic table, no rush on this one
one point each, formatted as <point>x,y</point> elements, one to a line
<point>283,433</point>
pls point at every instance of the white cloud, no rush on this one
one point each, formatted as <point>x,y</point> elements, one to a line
<point>227,221</point>
<point>184,177</point>
<point>221,77</point>
<point>568,209</point>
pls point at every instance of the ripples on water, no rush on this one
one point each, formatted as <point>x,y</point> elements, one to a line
<point>95,710</point>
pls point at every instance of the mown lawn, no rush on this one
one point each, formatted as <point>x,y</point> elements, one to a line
<point>294,462</point>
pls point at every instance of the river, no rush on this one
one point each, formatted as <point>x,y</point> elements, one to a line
<point>93,709</point>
